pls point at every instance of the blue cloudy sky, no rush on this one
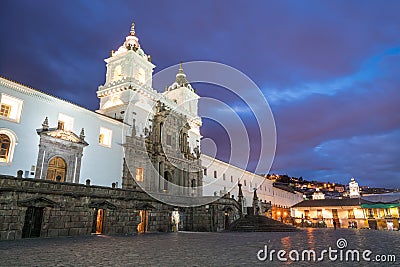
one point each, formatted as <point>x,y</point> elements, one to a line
<point>329,69</point>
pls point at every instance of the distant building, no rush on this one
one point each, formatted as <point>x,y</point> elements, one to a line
<point>318,195</point>
<point>373,211</point>
<point>354,189</point>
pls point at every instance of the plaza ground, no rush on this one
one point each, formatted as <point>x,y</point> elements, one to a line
<point>193,249</point>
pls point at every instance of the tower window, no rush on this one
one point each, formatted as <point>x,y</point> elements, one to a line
<point>223,176</point>
<point>141,76</point>
<point>215,174</point>
<point>205,171</point>
<point>169,139</point>
<point>139,174</point>
<point>231,179</point>
<point>10,108</point>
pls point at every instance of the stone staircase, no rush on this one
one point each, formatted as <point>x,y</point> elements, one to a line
<point>259,223</point>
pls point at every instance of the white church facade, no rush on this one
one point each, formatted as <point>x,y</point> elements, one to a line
<point>137,137</point>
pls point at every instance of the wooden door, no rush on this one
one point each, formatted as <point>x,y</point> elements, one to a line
<point>57,167</point>
<point>33,222</point>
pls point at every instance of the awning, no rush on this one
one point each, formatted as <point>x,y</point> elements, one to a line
<point>380,205</point>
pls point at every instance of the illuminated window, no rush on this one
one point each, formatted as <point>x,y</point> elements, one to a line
<point>117,73</point>
<point>5,143</point>
<point>139,174</point>
<point>105,137</point>
<point>8,140</point>
<point>101,138</point>
<point>60,125</point>
<point>5,110</point>
<point>65,122</point>
<point>10,108</point>
<point>141,76</point>
<point>350,214</point>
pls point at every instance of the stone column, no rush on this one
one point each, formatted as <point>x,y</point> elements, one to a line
<point>181,181</point>
<point>161,175</point>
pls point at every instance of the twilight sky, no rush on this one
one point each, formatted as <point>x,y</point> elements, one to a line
<point>330,70</point>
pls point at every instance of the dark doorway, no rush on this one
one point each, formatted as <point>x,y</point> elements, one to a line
<point>98,219</point>
<point>167,178</point>
<point>33,222</point>
<point>226,221</point>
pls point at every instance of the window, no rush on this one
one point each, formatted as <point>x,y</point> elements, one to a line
<point>223,176</point>
<point>10,108</point>
<point>60,125</point>
<point>105,137</point>
<point>139,174</point>
<point>244,182</point>
<point>5,110</point>
<point>101,138</point>
<point>335,214</point>
<point>117,73</point>
<point>319,214</point>
<point>350,214</point>
<point>169,140</point>
<point>8,140</point>
<point>205,171</point>
<point>215,174</point>
<point>66,122</point>
<point>231,179</point>
<point>306,214</point>
<point>141,76</point>
<point>5,143</point>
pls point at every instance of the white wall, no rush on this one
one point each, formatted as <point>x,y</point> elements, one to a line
<point>265,192</point>
<point>101,164</point>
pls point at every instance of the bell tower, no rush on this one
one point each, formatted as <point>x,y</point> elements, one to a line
<point>186,100</point>
<point>129,70</point>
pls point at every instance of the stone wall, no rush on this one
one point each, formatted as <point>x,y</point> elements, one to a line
<point>69,209</point>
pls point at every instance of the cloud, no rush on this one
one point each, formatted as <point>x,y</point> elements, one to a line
<point>329,69</point>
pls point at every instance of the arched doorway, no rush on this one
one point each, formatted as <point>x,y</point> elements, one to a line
<point>57,167</point>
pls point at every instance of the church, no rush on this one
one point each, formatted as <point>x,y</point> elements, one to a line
<point>139,140</point>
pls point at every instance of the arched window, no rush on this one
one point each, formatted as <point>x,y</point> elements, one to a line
<point>5,143</point>
<point>57,167</point>
<point>8,140</point>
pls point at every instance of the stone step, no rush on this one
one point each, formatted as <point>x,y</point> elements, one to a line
<point>260,224</point>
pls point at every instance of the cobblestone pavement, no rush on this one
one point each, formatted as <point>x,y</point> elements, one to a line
<point>194,249</point>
